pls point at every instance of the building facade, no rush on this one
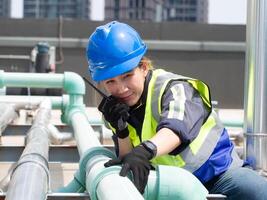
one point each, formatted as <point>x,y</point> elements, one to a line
<point>185,10</point>
<point>157,10</point>
<point>5,8</point>
<point>75,9</point>
<point>131,9</point>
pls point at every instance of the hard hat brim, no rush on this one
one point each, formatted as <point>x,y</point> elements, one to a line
<point>117,70</point>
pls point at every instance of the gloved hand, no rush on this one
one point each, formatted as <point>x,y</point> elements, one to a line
<point>116,113</point>
<point>138,162</point>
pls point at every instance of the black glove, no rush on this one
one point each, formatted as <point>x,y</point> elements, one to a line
<point>116,113</point>
<point>138,162</point>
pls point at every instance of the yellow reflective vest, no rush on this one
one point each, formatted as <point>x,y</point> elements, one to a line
<point>200,149</point>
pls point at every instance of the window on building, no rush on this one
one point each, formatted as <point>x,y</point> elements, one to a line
<point>116,9</point>
<point>193,2</point>
<point>136,14</point>
<point>130,15</point>
<point>136,3</point>
<point>143,14</point>
<point>143,3</point>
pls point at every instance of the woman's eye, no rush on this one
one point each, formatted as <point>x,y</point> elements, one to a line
<point>109,82</point>
<point>127,75</point>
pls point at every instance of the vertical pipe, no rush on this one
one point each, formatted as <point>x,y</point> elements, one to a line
<point>255,107</point>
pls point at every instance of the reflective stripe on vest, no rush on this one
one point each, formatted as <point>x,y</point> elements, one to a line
<point>200,149</point>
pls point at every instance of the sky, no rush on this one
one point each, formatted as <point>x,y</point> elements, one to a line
<point>227,11</point>
<point>220,11</point>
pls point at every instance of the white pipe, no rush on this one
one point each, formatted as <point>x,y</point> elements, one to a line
<point>29,102</point>
<point>83,133</point>
<point>86,139</point>
<point>7,115</point>
<point>57,137</point>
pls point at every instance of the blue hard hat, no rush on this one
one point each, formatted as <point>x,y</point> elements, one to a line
<point>113,49</point>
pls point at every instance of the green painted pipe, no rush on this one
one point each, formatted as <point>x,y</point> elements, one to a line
<point>35,80</point>
<point>75,186</point>
<point>169,182</point>
<point>164,183</point>
<point>233,123</point>
<point>92,172</point>
<point>71,82</point>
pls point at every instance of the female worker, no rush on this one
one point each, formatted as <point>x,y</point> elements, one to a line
<point>162,118</point>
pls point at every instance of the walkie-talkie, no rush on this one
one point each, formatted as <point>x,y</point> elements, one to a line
<point>109,100</point>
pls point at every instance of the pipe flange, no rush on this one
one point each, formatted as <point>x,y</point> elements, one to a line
<point>38,163</point>
<point>93,184</point>
<point>89,155</point>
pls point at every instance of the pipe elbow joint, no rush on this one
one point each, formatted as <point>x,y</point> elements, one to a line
<point>73,83</point>
<point>171,182</point>
<point>69,111</point>
<point>89,158</point>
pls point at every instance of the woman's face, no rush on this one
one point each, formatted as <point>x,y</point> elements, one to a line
<point>127,87</point>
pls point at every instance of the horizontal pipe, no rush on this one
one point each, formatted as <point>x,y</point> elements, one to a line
<point>58,102</point>
<point>15,57</point>
<point>56,137</point>
<point>155,45</point>
<point>71,82</point>
<point>35,80</point>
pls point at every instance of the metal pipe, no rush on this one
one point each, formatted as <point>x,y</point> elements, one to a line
<point>57,137</point>
<point>30,178</point>
<point>15,57</point>
<point>154,45</point>
<point>8,114</point>
<point>29,102</point>
<point>6,179</point>
<point>255,107</point>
